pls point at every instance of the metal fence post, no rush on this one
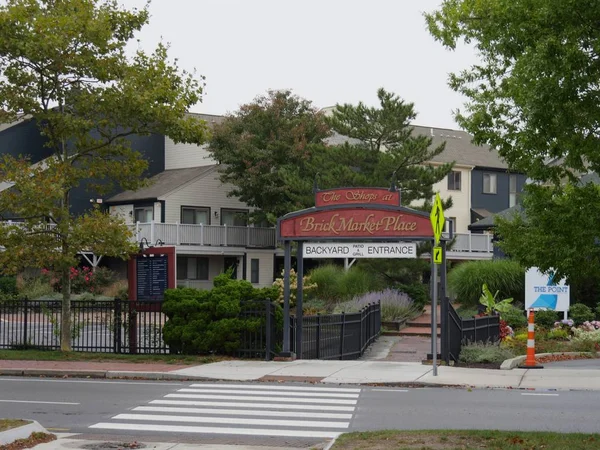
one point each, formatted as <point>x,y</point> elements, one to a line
<point>268,337</point>
<point>25,320</point>
<point>117,326</point>
<point>342,336</point>
<point>318,336</point>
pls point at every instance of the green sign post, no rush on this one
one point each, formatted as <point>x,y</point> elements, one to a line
<point>437,223</point>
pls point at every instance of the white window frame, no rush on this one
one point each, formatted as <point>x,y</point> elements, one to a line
<point>512,190</point>
<point>452,180</point>
<point>493,183</point>
<point>143,208</point>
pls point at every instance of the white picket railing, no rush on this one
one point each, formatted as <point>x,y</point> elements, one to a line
<point>212,235</point>
<point>470,242</point>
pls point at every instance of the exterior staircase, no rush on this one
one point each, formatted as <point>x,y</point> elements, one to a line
<point>421,326</point>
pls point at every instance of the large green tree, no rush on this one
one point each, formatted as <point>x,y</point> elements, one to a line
<point>558,231</point>
<point>64,65</point>
<point>534,97</point>
<point>534,94</point>
<point>274,148</point>
<point>270,150</point>
<point>381,145</point>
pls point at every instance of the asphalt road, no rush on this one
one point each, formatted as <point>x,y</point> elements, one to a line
<point>281,414</point>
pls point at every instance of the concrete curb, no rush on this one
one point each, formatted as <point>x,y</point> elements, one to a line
<point>510,364</point>
<point>23,432</point>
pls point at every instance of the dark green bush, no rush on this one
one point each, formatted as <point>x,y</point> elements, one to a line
<point>545,318</point>
<point>210,321</point>
<point>580,313</point>
<point>466,280</point>
<point>8,286</point>
<point>418,292</point>
<point>598,311</point>
<point>515,318</point>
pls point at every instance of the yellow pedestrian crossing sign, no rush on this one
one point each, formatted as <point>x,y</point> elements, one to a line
<point>437,255</point>
<point>437,218</point>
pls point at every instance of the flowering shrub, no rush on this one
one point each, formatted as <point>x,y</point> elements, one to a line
<point>580,335</point>
<point>590,326</point>
<point>82,280</point>
<point>564,323</point>
<point>505,330</point>
<point>396,306</point>
<point>307,286</point>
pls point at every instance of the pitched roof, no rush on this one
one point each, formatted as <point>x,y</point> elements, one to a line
<point>163,183</point>
<point>488,222</point>
<point>459,147</point>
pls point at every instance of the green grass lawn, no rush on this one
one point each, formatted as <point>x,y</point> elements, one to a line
<point>47,355</point>
<point>465,440</point>
<point>7,424</point>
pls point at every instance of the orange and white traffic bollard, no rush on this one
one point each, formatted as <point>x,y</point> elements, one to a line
<point>530,359</point>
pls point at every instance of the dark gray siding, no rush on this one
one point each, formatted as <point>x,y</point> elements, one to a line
<point>493,202</point>
<point>25,139</point>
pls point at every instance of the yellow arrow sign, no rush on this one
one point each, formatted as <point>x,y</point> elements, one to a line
<point>437,218</point>
<point>437,255</point>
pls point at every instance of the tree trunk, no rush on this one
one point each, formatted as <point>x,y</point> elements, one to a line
<point>65,328</point>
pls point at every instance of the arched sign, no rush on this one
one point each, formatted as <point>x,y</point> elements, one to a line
<point>351,222</point>
<point>347,215</point>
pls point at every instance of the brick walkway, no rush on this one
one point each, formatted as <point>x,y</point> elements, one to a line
<point>415,340</point>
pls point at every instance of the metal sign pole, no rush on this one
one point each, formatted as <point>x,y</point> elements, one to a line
<point>287,265</point>
<point>434,319</point>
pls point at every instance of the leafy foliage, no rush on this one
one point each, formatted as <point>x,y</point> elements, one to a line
<point>545,318</point>
<point>559,232</point>
<point>418,292</point>
<point>466,279</point>
<point>273,149</point>
<point>64,66</point>
<point>580,313</point>
<point>491,303</point>
<point>334,284</point>
<point>382,143</point>
<point>533,95</point>
<point>307,287</point>
<point>270,150</point>
<point>514,317</point>
<point>205,321</point>
<point>8,286</point>
<point>484,352</point>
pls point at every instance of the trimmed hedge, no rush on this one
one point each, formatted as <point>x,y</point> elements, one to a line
<point>465,281</point>
<point>206,321</point>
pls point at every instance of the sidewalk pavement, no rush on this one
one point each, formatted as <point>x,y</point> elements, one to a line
<point>335,372</point>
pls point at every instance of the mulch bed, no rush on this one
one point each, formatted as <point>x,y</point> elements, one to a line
<point>561,357</point>
<point>33,440</point>
<point>479,365</point>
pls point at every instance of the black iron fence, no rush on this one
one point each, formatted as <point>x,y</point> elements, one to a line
<point>110,326</point>
<point>337,336</point>
<point>122,326</point>
<point>263,339</point>
<point>457,331</point>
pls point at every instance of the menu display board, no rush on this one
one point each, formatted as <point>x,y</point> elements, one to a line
<point>151,276</point>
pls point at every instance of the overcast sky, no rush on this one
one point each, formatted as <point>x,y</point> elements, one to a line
<point>328,51</point>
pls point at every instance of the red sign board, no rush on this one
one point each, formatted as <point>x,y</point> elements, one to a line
<point>355,222</point>
<point>353,196</point>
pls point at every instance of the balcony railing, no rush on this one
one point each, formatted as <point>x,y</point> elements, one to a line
<point>469,242</point>
<point>211,235</point>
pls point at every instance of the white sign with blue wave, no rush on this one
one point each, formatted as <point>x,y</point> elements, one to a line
<point>543,292</point>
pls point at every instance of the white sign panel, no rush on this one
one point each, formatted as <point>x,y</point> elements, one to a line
<point>541,291</point>
<point>361,250</point>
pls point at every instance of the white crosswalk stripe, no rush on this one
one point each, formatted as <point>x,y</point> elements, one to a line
<point>244,409</point>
